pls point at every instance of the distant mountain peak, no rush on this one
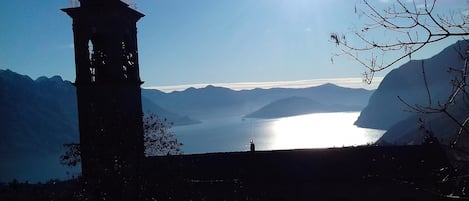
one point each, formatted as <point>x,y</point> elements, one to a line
<point>329,85</point>
<point>55,79</point>
<point>8,72</point>
<point>211,86</point>
<point>206,89</point>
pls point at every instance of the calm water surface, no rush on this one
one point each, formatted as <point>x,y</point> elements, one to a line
<point>226,134</point>
<point>317,130</point>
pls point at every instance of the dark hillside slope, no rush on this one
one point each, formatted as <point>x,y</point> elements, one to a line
<point>37,117</point>
<point>384,108</point>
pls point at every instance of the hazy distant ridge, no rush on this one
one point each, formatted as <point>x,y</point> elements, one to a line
<point>213,101</point>
<point>297,106</point>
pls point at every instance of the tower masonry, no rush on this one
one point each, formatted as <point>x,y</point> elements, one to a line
<point>109,94</point>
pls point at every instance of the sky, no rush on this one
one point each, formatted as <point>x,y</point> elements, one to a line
<point>199,42</point>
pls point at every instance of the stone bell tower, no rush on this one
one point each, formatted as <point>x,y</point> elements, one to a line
<point>109,96</point>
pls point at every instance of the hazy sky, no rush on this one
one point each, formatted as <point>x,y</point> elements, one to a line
<point>200,41</point>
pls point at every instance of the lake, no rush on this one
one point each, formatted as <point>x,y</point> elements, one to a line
<point>233,133</point>
<point>225,134</point>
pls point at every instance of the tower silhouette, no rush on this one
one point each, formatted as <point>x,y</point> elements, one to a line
<point>109,96</point>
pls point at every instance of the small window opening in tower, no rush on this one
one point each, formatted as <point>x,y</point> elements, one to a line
<point>124,69</point>
<point>93,74</point>
<point>90,50</point>
<point>91,57</point>
<point>126,60</point>
<point>102,57</point>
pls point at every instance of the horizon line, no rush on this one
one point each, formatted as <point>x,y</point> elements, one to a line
<point>238,86</point>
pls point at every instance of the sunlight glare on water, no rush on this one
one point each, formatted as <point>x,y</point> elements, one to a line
<point>319,130</point>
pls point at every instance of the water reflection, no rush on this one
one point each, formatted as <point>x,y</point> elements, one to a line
<point>320,130</point>
<point>305,131</point>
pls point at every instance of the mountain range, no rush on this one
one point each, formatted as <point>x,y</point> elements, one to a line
<point>39,116</point>
<point>213,101</point>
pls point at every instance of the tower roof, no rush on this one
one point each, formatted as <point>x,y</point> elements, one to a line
<point>101,7</point>
<point>97,2</point>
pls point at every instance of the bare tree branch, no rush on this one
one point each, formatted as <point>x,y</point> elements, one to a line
<point>415,28</point>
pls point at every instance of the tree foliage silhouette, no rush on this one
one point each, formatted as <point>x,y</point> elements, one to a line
<point>158,140</point>
<point>72,155</point>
